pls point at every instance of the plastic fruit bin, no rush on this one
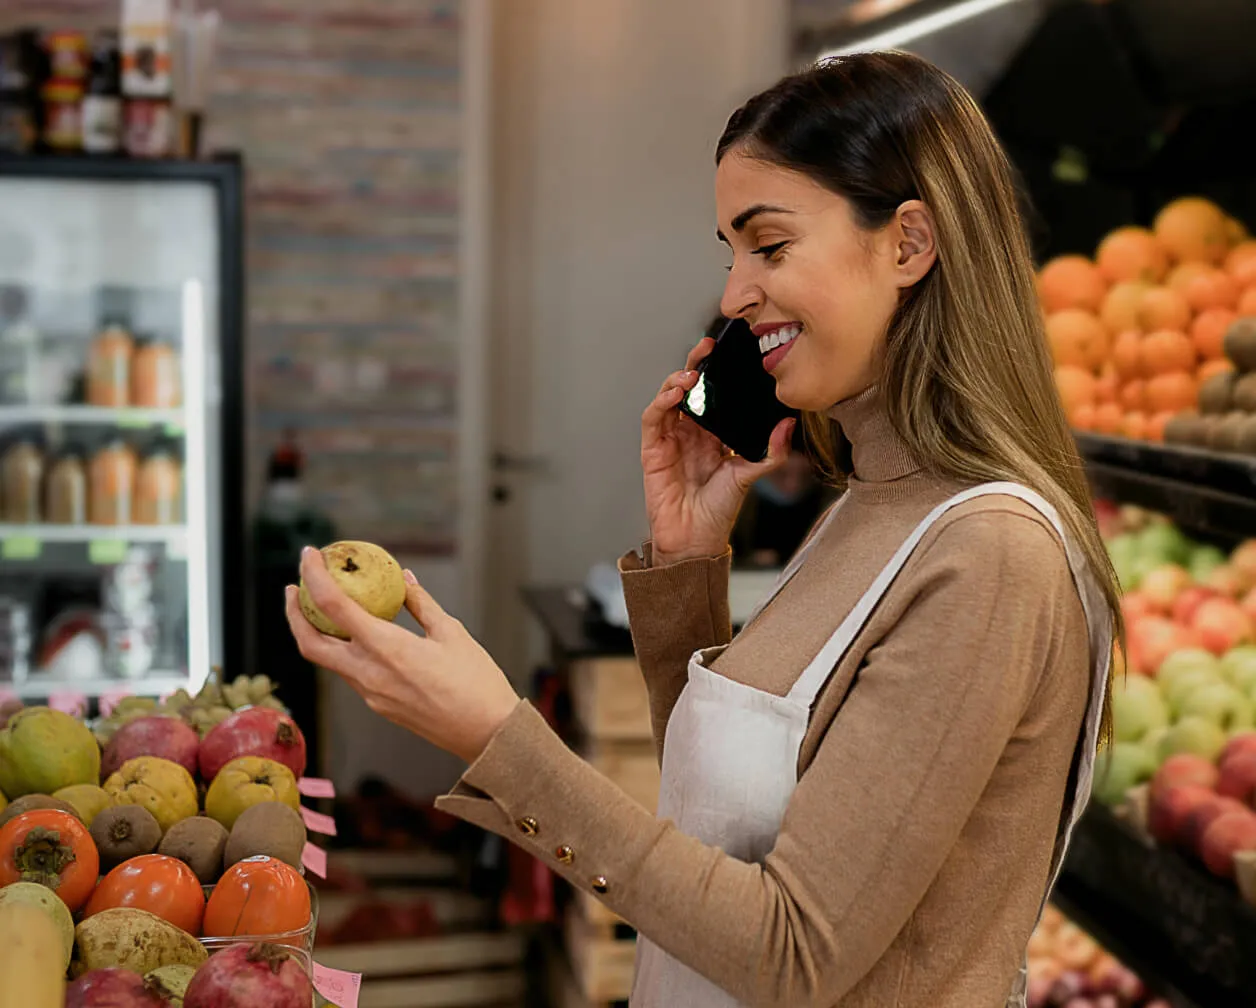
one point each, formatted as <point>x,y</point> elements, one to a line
<point>300,941</point>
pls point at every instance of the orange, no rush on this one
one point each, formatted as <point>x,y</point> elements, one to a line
<point>1163,308</point>
<point>1156,424</point>
<point>1241,263</point>
<point>1247,302</point>
<point>1184,273</point>
<point>1077,338</point>
<point>1193,229</point>
<point>1208,330</point>
<point>1236,231</point>
<point>1166,350</point>
<point>1125,356</point>
<point>1132,253</point>
<point>1106,386</point>
<point>1211,288</point>
<point>1119,310</point>
<point>1076,387</point>
<point>1070,281</point>
<point>1133,395</point>
<point>1209,368</point>
<point>1108,418</point>
<point>1134,426</point>
<point>1172,392</point>
<point>1082,418</point>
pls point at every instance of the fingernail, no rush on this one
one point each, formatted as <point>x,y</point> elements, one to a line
<point>409,576</point>
<point>289,590</point>
<point>307,550</point>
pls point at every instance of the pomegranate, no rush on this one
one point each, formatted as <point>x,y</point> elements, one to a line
<point>164,737</point>
<point>256,731</point>
<point>114,987</point>
<point>247,976</point>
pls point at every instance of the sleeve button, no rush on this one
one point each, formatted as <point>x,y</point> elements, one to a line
<point>599,883</point>
<point>528,826</point>
<point>565,854</point>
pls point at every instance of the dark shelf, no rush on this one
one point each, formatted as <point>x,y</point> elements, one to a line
<point>1202,491</point>
<point>1187,933</point>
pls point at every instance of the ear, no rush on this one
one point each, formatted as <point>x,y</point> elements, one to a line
<point>915,242</point>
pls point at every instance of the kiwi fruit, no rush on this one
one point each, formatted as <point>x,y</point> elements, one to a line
<point>1185,429</point>
<point>267,828</point>
<point>1225,436</point>
<point>198,842</point>
<point>1245,393</point>
<point>123,832</point>
<point>34,802</point>
<point>1240,343</point>
<point>1216,395</point>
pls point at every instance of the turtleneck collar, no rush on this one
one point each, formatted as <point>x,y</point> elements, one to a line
<point>877,453</point>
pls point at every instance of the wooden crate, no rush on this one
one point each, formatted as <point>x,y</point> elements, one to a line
<point>633,765</point>
<point>609,699</point>
<point>601,960</point>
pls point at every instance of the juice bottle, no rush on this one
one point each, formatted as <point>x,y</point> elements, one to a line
<point>66,491</point>
<point>158,490</point>
<point>109,367</point>
<point>111,478</point>
<point>155,375</point>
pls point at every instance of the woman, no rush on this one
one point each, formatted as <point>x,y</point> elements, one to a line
<point>867,793</point>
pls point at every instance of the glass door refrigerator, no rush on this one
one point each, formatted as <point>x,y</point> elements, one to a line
<point>121,497</point>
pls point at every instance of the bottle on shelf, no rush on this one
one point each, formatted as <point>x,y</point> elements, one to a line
<point>22,472</point>
<point>63,91</point>
<point>109,367</point>
<point>159,489</point>
<point>102,102</point>
<point>20,60</point>
<point>111,484</point>
<point>148,118</point>
<point>155,375</point>
<point>66,490</point>
<point>20,357</point>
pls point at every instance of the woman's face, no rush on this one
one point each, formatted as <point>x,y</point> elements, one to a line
<point>802,266</point>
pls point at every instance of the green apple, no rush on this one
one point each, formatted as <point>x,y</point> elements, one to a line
<point>1165,543</point>
<point>1121,767</point>
<point>1187,683</point>
<point>1151,741</point>
<point>1204,560</point>
<point>1186,660</point>
<point>1137,708</point>
<point>1220,703</point>
<point>1193,735</point>
<point>1239,667</point>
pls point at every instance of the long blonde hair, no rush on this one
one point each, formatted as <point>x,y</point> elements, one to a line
<point>967,375</point>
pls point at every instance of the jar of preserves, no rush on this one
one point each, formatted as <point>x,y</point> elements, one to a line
<point>109,367</point>
<point>155,375</point>
<point>63,115</point>
<point>65,496</point>
<point>22,475</point>
<point>111,485</point>
<point>158,490</point>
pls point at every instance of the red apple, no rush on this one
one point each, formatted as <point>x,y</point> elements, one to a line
<point>1134,606</point>
<point>1248,604</point>
<point>1196,822</point>
<point>1225,580</point>
<point>1222,625</point>
<point>1169,809</point>
<point>1184,770</point>
<point>1243,560</point>
<point>1228,834</point>
<point>1162,585</point>
<point>1238,777</point>
<point>1189,601</point>
<point>1153,638</point>
<point>1240,743</point>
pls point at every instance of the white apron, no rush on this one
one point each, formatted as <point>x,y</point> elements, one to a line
<point>730,756</point>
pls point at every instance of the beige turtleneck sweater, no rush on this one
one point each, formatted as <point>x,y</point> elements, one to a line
<point>914,852</point>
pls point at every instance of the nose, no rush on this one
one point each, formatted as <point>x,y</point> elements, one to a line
<point>741,295</point>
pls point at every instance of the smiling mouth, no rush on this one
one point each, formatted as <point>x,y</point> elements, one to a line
<point>779,337</point>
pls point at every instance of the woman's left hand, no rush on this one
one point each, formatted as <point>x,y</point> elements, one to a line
<point>443,686</point>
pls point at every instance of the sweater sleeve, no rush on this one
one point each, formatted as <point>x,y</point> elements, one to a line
<point>673,611</point>
<point>873,816</point>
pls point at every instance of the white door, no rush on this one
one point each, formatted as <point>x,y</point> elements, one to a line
<point>605,265</point>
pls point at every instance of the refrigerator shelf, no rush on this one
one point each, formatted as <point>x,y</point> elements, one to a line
<point>154,684</point>
<point>174,536</point>
<point>102,415</point>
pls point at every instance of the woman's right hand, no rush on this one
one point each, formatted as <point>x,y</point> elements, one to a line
<point>694,486</point>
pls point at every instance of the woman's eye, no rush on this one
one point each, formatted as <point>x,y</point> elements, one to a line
<point>770,252</point>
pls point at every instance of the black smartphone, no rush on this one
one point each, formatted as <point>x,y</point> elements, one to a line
<point>735,398</point>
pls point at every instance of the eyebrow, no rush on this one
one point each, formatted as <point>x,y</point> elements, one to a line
<point>749,214</point>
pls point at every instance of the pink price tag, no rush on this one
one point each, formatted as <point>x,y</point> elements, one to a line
<point>108,701</point>
<point>337,986</point>
<point>315,860</point>
<point>68,702</point>
<point>318,822</point>
<point>316,787</point>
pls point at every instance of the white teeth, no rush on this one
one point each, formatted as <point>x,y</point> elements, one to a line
<point>778,337</point>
